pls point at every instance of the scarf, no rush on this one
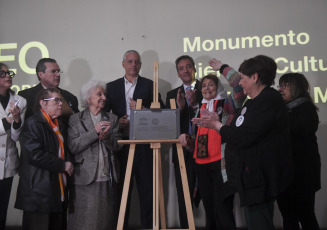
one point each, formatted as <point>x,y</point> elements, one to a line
<point>293,104</point>
<point>61,153</point>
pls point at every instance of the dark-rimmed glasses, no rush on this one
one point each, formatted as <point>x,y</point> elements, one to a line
<point>10,73</point>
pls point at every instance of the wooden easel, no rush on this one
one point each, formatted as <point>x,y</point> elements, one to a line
<point>158,197</point>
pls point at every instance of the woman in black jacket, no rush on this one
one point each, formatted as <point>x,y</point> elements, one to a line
<point>298,202</point>
<point>40,192</point>
<point>258,158</point>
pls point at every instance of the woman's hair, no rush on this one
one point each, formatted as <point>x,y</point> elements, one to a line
<point>212,77</point>
<point>44,93</point>
<point>3,64</point>
<point>87,90</point>
<point>298,85</point>
<point>264,66</point>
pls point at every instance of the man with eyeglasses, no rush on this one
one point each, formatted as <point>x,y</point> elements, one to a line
<point>121,99</point>
<point>48,73</point>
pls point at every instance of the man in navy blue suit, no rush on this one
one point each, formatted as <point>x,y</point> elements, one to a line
<point>121,99</point>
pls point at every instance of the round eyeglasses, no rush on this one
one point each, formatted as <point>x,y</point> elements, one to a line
<point>282,86</point>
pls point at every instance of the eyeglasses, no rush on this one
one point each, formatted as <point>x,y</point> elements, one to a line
<point>56,71</point>
<point>10,73</point>
<point>282,86</point>
<point>57,100</point>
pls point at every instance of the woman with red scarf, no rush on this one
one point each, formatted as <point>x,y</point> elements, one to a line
<point>216,191</point>
<point>44,168</point>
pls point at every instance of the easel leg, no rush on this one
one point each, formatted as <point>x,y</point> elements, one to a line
<point>127,181</point>
<point>187,198</point>
<point>161,195</point>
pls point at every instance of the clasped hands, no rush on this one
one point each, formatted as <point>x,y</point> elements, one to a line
<point>102,128</point>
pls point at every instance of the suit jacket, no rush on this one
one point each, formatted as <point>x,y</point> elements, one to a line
<point>83,142</point>
<point>31,93</point>
<point>116,101</point>
<point>9,159</point>
<point>185,115</point>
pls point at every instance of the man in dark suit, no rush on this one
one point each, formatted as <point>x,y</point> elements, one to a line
<point>121,99</point>
<point>188,100</point>
<point>48,73</point>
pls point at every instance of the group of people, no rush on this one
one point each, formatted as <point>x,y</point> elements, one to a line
<point>255,141</point>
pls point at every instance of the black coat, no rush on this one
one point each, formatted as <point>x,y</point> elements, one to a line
<point>304,123</point>
<point>258,155</point>
<point>39,188</point>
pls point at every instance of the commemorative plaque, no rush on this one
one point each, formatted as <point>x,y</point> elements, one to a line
<point>151,124</point>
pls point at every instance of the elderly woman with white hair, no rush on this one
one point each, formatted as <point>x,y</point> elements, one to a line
<point>92,139</point>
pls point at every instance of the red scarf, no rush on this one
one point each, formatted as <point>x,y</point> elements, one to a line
<point>61,153</point>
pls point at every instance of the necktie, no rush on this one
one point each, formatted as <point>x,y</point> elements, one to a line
<point>189,118</point>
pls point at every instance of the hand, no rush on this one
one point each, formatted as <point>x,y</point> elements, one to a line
<point>104,133</point>
<point>211,122</point>
<point>191,97</point>
<point>69,168</point>
<point>186,141</point>
<point>14,110</point>
<point>180,100</point>
<point>102,125</point>
<point>132,103</point>
<point>123,122</point>
<point>215,64</point>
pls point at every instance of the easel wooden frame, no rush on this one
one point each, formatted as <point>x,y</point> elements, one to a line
<point>158,197</point>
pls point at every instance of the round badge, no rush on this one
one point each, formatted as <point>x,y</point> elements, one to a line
<point>239,121</point>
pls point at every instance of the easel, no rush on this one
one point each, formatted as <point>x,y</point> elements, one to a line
<point>158,198</point>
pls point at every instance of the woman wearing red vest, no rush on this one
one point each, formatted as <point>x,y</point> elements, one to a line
<point>216,191</point>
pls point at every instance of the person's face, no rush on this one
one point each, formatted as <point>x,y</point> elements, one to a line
<point>247,83</point>
<point>185,71</point>
<point>285,91</point>
<point>51,76</point>
<point>132,64</point>
<point>5,82</point>
<point>98,98</point>
<point>52,105</point>
<point>209,89</point>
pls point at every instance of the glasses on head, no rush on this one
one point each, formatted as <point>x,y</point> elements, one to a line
<point>57,100</point>
<point>10,73</point>
<point>56,71</point>
<point>282,86</point>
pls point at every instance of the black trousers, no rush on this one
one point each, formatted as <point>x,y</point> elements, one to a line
<point>42,221</point>
<point>217,197</point>
<point>260,216</point>
<point>5,189</point>
<point>191,177</point>
<point>297,206</point>
<point>143,172</point>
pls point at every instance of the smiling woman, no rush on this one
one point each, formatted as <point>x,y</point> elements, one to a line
<point>92,138</point>
<point>12,113</point>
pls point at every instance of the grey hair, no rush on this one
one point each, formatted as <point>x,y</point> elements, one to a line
<point>131,51</point>
<point>87,90</point>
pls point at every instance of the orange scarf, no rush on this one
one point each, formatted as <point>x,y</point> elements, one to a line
<point>54,125</point>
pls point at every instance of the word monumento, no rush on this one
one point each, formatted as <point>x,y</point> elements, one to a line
<point>245,42</point>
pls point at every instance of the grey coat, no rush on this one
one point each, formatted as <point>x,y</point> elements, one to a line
<point>83,142</point>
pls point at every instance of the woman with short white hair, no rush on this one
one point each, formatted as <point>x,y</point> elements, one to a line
<point>92,138</point>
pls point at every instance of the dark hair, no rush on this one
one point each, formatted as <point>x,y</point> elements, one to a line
<point>40,66</point>
<point>182,58</point>
<point>3,64</point>
<point>264,66</point>
<point>211,77</point>
<point>44,93</point>
<point>298,85</point>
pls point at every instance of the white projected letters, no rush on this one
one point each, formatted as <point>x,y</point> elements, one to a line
<point>245,42</point>
<point>22,54</point>
<point>305,65</point>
